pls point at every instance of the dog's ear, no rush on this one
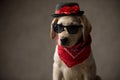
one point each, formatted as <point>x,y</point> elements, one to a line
<point>52,32</point>
<point>86,26</point>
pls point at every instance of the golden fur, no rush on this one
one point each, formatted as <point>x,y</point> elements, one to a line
<point>87,69</point>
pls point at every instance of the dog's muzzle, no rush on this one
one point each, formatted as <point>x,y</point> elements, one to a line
<point>64,41</point>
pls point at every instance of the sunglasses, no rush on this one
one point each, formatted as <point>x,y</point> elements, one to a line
<point>72,29</point>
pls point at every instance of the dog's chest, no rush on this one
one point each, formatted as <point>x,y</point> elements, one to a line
<point>76,71</point>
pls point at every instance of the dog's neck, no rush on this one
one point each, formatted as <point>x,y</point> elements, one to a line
<point>75,54</point>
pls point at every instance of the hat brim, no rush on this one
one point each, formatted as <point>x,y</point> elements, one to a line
<point>80,13</point>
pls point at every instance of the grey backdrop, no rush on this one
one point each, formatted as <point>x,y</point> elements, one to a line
<point>26,51</point>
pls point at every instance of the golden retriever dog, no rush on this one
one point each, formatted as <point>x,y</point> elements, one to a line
<point>71,32</point>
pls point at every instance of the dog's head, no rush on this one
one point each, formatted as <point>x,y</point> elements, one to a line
<point>70,29</point>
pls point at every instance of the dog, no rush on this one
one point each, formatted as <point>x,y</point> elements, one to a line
<point>70,31</point>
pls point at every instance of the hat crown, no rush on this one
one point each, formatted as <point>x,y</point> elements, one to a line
<point>60,5</point>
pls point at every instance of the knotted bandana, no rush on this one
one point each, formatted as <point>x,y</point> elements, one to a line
<point>74,55</point>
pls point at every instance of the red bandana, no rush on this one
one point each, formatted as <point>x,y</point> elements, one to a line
<point>76,54</point>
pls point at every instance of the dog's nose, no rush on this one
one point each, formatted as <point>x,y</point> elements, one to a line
<point>64,40</point>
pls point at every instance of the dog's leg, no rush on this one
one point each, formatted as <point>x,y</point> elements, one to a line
<point>87,77</point>
<point>57,74</point>
<point>89,72</point>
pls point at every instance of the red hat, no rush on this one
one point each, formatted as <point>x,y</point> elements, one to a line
<point>66,9</point>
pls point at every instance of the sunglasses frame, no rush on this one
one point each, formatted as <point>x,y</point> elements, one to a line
<point>72,29</point>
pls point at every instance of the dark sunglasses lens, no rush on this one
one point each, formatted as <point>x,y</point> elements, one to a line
<point>58,28</point>
<point>73,29</point>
